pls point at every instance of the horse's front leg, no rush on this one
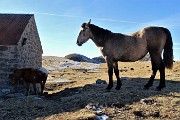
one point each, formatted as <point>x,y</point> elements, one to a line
<point>27,88</point>
<point>116,70</point>
<point>162,76</point>
<point>110,73</point>
<point>34,87</point>
<point>43,84</point>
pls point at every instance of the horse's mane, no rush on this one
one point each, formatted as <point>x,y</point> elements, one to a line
<point>99,32</point>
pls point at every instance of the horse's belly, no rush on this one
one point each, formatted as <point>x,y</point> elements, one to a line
<point>131,56</point>
<point>126,59</point>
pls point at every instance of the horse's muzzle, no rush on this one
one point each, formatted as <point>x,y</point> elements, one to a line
<point>79,44</point>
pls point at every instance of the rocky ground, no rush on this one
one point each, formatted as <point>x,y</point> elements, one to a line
<point>72,93</point>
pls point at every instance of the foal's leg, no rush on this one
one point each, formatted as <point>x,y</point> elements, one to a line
<point>151,79</point>
<point>43,84</point>
<point>116,70</point>
<point>27,88</point>
<point>34,87</point>
<point>110,73</point>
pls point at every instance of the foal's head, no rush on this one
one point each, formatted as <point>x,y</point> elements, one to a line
<point>15,76</point>
<point>84,33</point>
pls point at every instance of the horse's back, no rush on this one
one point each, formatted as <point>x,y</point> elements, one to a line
<point>43,70</point>
<point>155,37</point>
<point>22,71</point>
<point>127,48</point>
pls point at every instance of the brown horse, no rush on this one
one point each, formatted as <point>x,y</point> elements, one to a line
<point>30,75</point>
<point>129,48</point>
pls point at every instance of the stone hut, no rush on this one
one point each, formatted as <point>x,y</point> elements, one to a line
<point>20,45</point>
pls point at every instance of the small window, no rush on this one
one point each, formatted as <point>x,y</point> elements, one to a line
<point>24,41</point>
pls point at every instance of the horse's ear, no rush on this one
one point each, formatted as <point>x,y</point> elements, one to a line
<point>89,22</point>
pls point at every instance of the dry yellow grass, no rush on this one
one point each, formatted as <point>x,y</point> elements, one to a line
<point>80,98</point>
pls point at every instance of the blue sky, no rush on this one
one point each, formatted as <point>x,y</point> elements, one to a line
<point>59,21</point>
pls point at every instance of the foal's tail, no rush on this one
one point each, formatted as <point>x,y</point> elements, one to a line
<point>168,50</point>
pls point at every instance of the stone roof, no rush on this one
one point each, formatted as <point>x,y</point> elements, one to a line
<point>12,27</point>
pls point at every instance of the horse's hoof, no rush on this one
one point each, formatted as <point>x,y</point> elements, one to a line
<point>159,88</point>
<point>109,88</point>
<point>147,86</point>
<point>118,87</point>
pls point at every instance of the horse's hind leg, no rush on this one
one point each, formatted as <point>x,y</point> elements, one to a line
<point>157,64</point>
<point>162,76</point>
<point>116,70</point>
<point>151,79</point>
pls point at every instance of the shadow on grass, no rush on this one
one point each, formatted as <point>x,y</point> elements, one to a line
<point>74,99</point>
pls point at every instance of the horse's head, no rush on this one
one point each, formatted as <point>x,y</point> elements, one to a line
<point>84,33</point>
<point>15,77</point>
<point>13,80</point>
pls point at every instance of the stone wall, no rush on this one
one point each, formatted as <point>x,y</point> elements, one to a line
<point>8,63</point>
<point>27,53</point>
<point>8,60</point>
<point>30,54</point>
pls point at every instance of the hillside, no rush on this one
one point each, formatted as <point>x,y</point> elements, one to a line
<point>82,58</point>
<point>98,60</point>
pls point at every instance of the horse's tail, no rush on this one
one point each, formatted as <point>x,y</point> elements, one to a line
<point>168,50</point>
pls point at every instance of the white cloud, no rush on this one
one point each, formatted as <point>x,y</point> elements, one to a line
<point>172,21</point>
<point>103,19</point>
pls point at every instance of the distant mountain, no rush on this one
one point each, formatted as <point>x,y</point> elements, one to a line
<point>82,58</point>
<point>98,60</point>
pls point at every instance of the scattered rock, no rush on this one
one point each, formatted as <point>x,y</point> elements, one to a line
<point>37,98</point>
<point>139,113</point>
<point>156,114</point>
<point>123,70</point>
<point>14,95</point>
<point>102,117</point>
<point>100,82</point>
<point>148,102</point>
<point>132,68</point>
<point>6,91</point>
<point>91,107</point>
<point>118,105</point>
<point>97,109</point>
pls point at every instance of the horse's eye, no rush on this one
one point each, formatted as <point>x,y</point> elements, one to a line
<point>83,30</point>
